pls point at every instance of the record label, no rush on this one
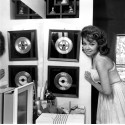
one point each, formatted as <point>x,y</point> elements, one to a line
<point>22,45</point>
<point>22,78</point>
<point>63,45</point>
<point>63,81</point>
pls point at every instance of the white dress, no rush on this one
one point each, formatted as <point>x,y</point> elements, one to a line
<point>111,109</point>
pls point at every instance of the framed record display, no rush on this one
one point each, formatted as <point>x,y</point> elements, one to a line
<point>20,75</point>
<point>63,81</point>
<point>64,45</point>
<point>22,45</point>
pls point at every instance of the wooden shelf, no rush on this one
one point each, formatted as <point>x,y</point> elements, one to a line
<point>55,9</point>
<point>22,11</point>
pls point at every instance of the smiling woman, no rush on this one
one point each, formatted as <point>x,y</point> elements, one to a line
<point>104,77</point>
<point>94,35</point>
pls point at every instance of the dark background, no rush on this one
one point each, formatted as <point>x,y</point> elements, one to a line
<point>109,15</point>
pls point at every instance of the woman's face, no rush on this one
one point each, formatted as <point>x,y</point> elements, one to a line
<point>89,48</point>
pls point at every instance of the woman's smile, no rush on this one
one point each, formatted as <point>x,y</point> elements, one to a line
<point>88,52</point>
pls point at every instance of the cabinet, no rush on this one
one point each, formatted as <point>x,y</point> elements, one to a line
<point>53,118</point>
<point>62,8</point>
<point>22,11</point>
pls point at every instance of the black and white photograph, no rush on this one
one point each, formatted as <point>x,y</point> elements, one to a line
<point>62,62</point>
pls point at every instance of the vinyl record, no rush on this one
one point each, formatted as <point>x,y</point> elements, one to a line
<point>22,78</point>
<point>63,81</point>
<point>22,45</point>
<point>63,45</point>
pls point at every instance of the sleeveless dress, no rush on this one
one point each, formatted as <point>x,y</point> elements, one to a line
<point>111,109</point>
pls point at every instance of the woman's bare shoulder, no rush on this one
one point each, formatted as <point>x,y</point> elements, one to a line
<point>104,62</point>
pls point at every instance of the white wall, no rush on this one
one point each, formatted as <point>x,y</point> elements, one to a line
<point>42,26</point>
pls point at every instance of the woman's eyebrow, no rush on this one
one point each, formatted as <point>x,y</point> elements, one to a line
<point>93,41</point>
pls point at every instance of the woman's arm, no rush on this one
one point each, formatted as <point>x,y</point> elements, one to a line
<point>102,89</point>
<point>89,79</point>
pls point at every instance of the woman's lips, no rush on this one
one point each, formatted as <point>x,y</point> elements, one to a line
<point>88,52</point>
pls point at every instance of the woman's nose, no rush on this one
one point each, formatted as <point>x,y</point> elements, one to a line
<point>87,47</point>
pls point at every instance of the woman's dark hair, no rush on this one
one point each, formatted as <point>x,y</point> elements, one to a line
<point>91,33</point>
<point>2,44</point>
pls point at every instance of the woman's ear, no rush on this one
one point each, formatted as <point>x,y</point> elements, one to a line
<point>82,49</point>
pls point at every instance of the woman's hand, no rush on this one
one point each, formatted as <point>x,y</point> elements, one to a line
<point>88,77</point>
<point>2,73</point>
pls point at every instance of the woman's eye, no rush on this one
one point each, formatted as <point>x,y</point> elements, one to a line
<point>84,44</point>
<point>92,44</point>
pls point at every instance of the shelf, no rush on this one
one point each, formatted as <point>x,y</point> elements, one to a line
<point>22,11</point>
<point>55,8</point>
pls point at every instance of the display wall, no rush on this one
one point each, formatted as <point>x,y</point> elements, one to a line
<point>42,27</point>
